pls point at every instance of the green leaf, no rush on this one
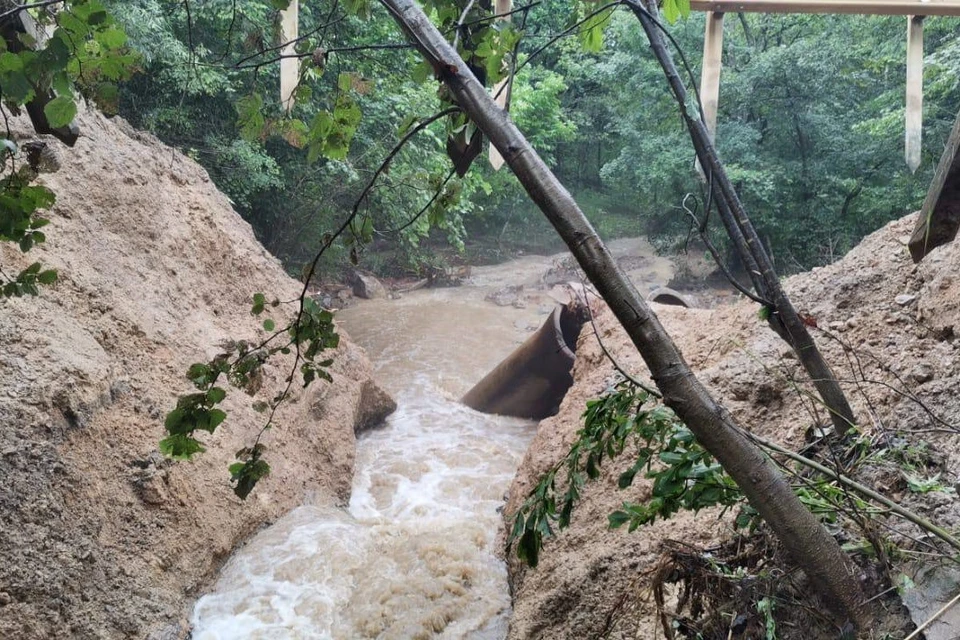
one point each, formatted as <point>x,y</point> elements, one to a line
<point>517,525</point>
<point>247,474</point>
<point>421,72</point>
<point>47,277</point>
<point>359,8</point>
<point>250,117</point>
<point>617,519</point>
<point>216,395</point>
<point>10,62</point>
<point>671,457</point>
<point>180,447</point>
<point>591,31</point>
<point>626,478</point>
<point>528,550</point>
<point>200,374</point>
<point>60,111</point>
<point>173,420</point>
<point>366,229</point>
<point>671,10</point>
<point>259,302</point>
<point>269,325</point>
<point>217,416</point>
<point>406,123</point>
<point>112,37</point>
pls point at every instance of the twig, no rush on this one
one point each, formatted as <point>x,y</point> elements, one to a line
<point>463,16</point>
<point>575,28</point>
<point>903,393</point>
<point>717,259</point>
<point>22,7</point>
<point>916,519</point>
<point>495,16</point>
<point>422,211</point>
<point>916,633</point>
<point>367,47</point>
<point>285,44</point>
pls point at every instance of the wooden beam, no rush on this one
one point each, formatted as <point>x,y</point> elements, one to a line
<point>501,91</point>
<point>862,7</point>
<point>940,214</point>
<point>914,98</point>
<point>289,66</point>
<point>710,75</point>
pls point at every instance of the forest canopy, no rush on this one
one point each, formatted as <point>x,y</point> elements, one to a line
<point>810,126</point>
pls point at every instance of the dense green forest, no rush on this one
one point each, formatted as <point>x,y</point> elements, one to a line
<point>810,127</point>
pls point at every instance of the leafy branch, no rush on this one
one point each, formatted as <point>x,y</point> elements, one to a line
<point>21,223</point>
<point>86,48</point>
<point>241,365</point>
<point>684,475</point>
<point>310,334</point>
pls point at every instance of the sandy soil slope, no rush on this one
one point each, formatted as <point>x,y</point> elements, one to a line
<point>900,321</point>
<point>99,536</point>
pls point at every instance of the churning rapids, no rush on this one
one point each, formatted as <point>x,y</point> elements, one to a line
<point>414,554</point>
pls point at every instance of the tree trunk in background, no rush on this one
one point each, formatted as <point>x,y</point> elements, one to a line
<point>811,546</point>
<point>784,319</point>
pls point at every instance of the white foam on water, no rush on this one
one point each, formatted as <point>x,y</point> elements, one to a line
<point>412,557</point>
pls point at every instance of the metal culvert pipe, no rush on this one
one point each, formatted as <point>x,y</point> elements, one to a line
<point>531,381</point>
<point>666,295</point>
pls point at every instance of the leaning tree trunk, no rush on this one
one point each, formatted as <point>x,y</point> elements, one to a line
<point>784,319</point>
<point>811,546</point>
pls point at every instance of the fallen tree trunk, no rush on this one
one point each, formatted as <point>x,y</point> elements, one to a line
<point>783,317</point>
<point>811,546</point>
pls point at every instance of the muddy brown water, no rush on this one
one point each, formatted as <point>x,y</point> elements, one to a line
<point>413,555</point>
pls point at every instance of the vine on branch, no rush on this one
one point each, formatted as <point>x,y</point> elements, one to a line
<point>311,334</point>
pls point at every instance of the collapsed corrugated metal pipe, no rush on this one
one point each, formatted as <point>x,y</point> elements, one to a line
<point>532,381</point>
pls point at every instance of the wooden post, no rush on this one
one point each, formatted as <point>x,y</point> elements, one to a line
<point>289,66</point>
<point>914,98</point>
<point>710,75</point>
<point>501,91</point>
<point>940,214</point>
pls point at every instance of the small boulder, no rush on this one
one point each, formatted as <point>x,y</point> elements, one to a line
<point>922,373</point>
<point>374,407</point>
<point>367,287</point>
<point>511,295</point>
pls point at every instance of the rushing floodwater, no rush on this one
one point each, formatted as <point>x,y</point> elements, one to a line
<point>413,556</point>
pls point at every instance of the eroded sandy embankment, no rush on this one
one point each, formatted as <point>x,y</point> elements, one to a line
<point>899,318</point>
<point>99,536</point>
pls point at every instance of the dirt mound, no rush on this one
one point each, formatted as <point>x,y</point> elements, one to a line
<point>900,372</point>
<point>99,536</point>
